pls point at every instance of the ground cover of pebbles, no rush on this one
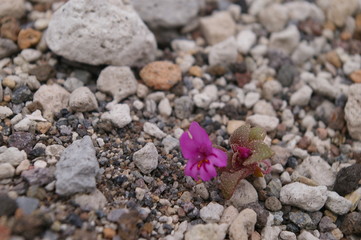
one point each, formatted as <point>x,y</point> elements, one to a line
<point>94,96</point>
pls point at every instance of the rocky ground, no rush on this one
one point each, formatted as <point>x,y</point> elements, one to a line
<point>94,96</point>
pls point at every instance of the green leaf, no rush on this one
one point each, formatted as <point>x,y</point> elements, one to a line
<point>229,181</point>
<point>260,152</point>
<point>240,135</point>
<point>257,133</point>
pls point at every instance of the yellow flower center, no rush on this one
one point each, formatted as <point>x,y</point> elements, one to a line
<point>200,163</point>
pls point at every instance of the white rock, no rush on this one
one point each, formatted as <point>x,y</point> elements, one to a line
<point>322,86</point>
<point>164,107</point>
<point>202,191</point>
<point>82,100</point>
<point>72,83</point>
<point>211,213</point>
<point>146,159</point>
<point>52,98</point>
<point>223,53</point>
<point>311,168</point>
<point>287,235</point>
<point>210,231</point>
<point>302,53</point>
<point>139,105</point>
<point>23,125</point>
<point>119,115</point>
<point>93,201</point>
<point>353,111</point>
<point>264,108</point>
<point>229,214</point>
<point>167,13</point>
<point>337,204</point>
<point>306,236</point>
<point>13,8</point>
<point>285,178</point>
<point>303,196</point>
<point>300,11</point>
<point>5,112</point>
<point>286,40</point>
<point>338,13</point>
<point>351,65</point>
<point>183,45</point>
<point>251,99</point>
<point>30,55</point>
<point>169,143</point>
<point>40,164</point>
<point>302,96</point>
<point>6,170</point>
<point>243,226</point>
<point>13,156</point>
<point>270,233</point>
<point>274,17</point>
<point>271,88</point>
<point>24,165</point>
<point>288,118</point>
<point>267,122</point>
<point>153,130</point>
<point>217,27</point>
<point>122,39</point>
<point>245,40</point>
<point>117,81</point>
<point>206,97</point>
<point>244,194</point>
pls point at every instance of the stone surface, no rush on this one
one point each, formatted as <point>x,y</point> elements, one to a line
<point>351,224</point>
<point>267,122</point>
<point>13,156</point>
<point>305,235</point>
<point>211,213</point>
<point>338,12</point>
<point>73,33</point>
<point>286,40</point>
<point>270,233</point>
<point>348,179</point>
<point>119,82</point>
<point>245,41</point>
<point>22,141</point>
<point>167,13</point>
<point>77,168</point>
<point>229,215</point>
<point>7,47</point>
<point>301,219</point>
<point>8,205</point>
<point>13,8</point>
<point>39,176</point>
<point>82,100</point>
<point>210,231</point>
<point>153,130</point>
<point>27,204</point>
<point>274,17</point>
<point>93,201</point>
<point>273,204</point>
<point>161,75</point>
<point>302,96</point>
<point>305,197</point>
<point>183,107</point>
<point>119,115</point>
<point>243,226</point>
<point>244,194</point>
<point>223,53</point>
<point>353,111</point>
<point>28,37</point>
<point>6,170</point>
<point>52,98</point>
<point>217,27</point>
<point>169,143</point>
<point>146,159</point>
<point>337,204</point>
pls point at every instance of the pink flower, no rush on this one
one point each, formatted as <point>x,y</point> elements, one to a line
<point>202,157</point>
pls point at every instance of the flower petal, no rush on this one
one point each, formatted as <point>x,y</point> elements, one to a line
<point>200,137</point>
<point>191,170</point>
<point>188,147</point>
<point>218,157</point>
<point>207,172</point>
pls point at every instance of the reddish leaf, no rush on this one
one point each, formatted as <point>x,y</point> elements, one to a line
<point>229,181</point>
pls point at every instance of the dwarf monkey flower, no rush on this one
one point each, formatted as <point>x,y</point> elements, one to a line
<point>202,157</point>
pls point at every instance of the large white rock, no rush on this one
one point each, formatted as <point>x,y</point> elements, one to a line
<point>100,32</point>
<point>301,97</point>
<point>353,111</point>
<point>337,204</point>
<point>245,40</point>
<point>303,196</point>
<point>167,13</point>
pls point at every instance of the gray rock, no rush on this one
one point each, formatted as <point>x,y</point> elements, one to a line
<point>6,170</point>
<point>270,233</point>
<point>274,17</point>
<point>206,97</point>
<point>30,55</point>
<point>243,226</point>
<point>286,40</point>
<point>274,187</point>
<point>301,97</point>
<point>8,205</point>
<point>115,214</point>
<point>229,214</point>
<point>217,27</point>
<point>271,88</point>
<point>13,156</point>
<point>72,83</point>
<point>303,196</point>
<point>27,204</point>
<point>82,100</point>
<point>146,159</point>
<point>77,168</point>
<point>73,33</point>
<point>264,108</point>
<point>119,115</point>
<point>118,82</point>
<point>353,111</point>
<point>286,74</point>
<point>39,176</point>
<point>12,8</point>
<point>244,194</point>
<point>267,122</point>
<point>169,143</point>
<point>166,13</point>
<point>322,86</point>
<point>210,231</point>
<point>302,53</point>
<point>153,130</point>
<point>223,53</point>
<point>338,204</point>
<point>301,219</point>
<point>287,235</point>
<point>211,213</point>
<point>93,201</point>
<point>183,107</point>
<point>306,236</point>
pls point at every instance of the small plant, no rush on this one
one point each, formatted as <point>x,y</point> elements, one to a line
<point>248,154</point>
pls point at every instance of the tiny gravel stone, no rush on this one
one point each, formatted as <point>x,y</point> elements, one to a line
<point>286,74</point>
<point>301,219</point>
<point>80,158</point>
<point>301,97</point>
<point>93,201</point>
<point>72,84</point>
<point>273,204</point>
<point>229,215</point>
<point>153,130</point>
<point>7,47</point>
<point>286,40</point>
<point>211,231</point>
<point>211,213</point>
<point>274,187</point>
<point>183,107</point>
<point>27,204</point>
<point>119,115</point>
<point>274,17</point>
<point>164,107</point>
<point>146,159</point>
<point>244,194</point>
<point>169,143</point>
<point>337,204</point>
<point>161,75</point>
<point>6,170</point>
<point>82,100</point>
<point>251,99</point>
<point>305,197</point>
<point>245,40</point>
<point>244,224</point>
<point>267,122</point>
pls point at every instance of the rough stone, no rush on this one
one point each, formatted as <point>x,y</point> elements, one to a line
<point>93,201</point>
<point>183,107</point>
<point>353,111</point>
<point>267,122</point>
<point>119,115</point>
<point>223,53</point>
<point>245,40</point>
<point>338,12</point>
<point>286,40</point>
<point>211,213</point>
<point>244,194</point>
<point>229,215</point>
<point>82,100</point>
<point>351,224</point>
<point>301,219</point>
<point>161,75</point>
<point>348,179</point>
<point>243,226</point>
<point>146,159</point>
<point>28,37</point>
<point>301,97</point>
<point>337,204</point>
<point>153,130</point>
<point>12,8</point>
<point>274,17</point>
<point>8,205</point>
<point>27,204</point>
<point>270,233</point>
<point>210,231</point>
<point>39,176</point>
<point>6,170</point>
<point>13,156</point>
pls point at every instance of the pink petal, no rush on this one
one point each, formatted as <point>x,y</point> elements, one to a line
<point>218,157</point>
<point>207,172</point>
<point>200,136</point>
<point>191,170</point>
<point>188,147</point>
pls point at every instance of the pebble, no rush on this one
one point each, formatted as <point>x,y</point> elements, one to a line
<point>52,98</point>
<point>22,141</point>
<point>72,83</point>
<point>217,27</point>
<point>244,194</point>
<point>12,8</point>
<point>82,100</point>
<point>267,122</point>
<point>40,164</point>
<point>161,75</point>
<point>270,233</point>
<point>211,213</point>
<point>38,176</point>
<point>136,45</point>
<point>356,76</point>
<point>43,72</point>
<point>119,115</point>
<point>251,99</point>
<point>301,97</point>
<point>223,53</point>
<point>30,55</point>
<point>337,204</point>
<point>169,143</point>
<point>351,224</point>
<point>5,112</point>
<point>21,94</point>
<point>245,40</point>
<point>24,165</point>
<point>264,108</point>
<point>7,47</point>
<point>210,231</point>
<point>119,82</point>
<point>6,170</point>
<point>305,197</point>
<point>333,58</point>
<point>229,215</point>
<point>164,107</point>
<point>206,97</point>
<point>183,107</point>
<point>28,37</point>
<point>243,225</point>
<point>286,40</point>
<point>270,89</point>
<point>153,130</point>
<point>273,204</point>
<point>347,179</point>
<point>8,205</point>
<point>302,53</point>
<point>274,17</point>
<point>326,224</point>
<point>338,13</point>
<point>301,219</point>
<point>286,74</point>
<point>146,159</point>
<point>10,81</point>
<point>305,235</point>
<point>287,235</point>
<point>93,201</point>
<point>353,111</point>
<point>80,157</point>
<point>27,204</point>
<point>232,125</point>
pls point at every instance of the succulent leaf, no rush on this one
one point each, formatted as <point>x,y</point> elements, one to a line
<point>260,152</point>
<point>257,133</point>
<point>240,136</point>
<point>229,181</point>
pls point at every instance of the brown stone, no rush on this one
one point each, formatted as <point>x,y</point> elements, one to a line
<point>9,28</point>
<point>195,71</point>
<point>109,233</point>
<point>28,37</point>
<point>43,127</point>
<point>351,224</point>
<point>161,75</point>
<point>333,58</point>
<point>357,32</point>
<point>356,76</point>
<point>321,133</point>
<point>337,119</point>
<point>242,78</point>
<point>345,36</point>
<point>43,72</point>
